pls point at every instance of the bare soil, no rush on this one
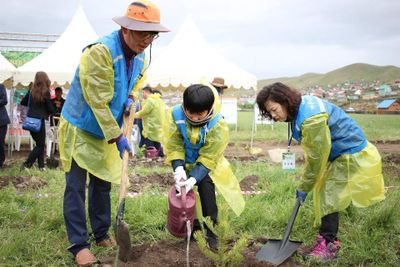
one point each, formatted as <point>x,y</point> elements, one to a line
<point>173,252</point>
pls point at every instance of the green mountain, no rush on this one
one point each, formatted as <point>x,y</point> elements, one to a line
<point>353,72</point>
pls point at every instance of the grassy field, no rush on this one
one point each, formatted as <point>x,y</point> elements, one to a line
<point>32,231</point>
<point>375,127</point>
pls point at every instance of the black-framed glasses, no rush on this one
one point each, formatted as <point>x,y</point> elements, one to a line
<point>149,35</point>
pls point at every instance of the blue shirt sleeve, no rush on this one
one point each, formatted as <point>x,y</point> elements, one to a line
<point>199,172</point>
<point>176,163</point>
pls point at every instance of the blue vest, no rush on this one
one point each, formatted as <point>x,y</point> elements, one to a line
<point>77,111</point>
<point>192,150</point>
<point>346,136</point>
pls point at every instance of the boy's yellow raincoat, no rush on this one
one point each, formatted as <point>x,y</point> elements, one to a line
<point>211,155</point>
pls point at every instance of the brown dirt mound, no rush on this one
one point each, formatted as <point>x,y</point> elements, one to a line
<point>164,181</point>
<point>171,253</point>
<point>139,182</point>
<point>22,182</point>
<point>249,183</point>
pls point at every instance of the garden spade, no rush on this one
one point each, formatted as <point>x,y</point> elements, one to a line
<point>277,251</point>
<point>52,162</point>
<point>121,228</point>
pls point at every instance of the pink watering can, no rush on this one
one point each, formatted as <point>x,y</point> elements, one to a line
<point>152,152</point>
<point>181,210</point>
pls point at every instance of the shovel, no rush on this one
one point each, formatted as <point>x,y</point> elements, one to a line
<point>52,162</point>
<point>121,229</point>
<point>277,251</point>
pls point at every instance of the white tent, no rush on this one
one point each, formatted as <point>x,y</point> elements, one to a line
<point>60,60</point>
<point>6,69</point>
<point>189,59</point>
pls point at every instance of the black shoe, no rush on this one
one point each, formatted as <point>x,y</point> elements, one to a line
<point>25,166</point>
<point>212,240</point>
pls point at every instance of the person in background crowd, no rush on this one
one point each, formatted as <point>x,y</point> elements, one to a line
<point>58,103</point>
<point>197,139</point>
<point>4,121</point>
<point>22,110</point>
<point>341,166</point>
<point>219,84</point>
<point>146,91</point>
<point>153,115</point>
<point>90,136</point>
<point>39,106</point>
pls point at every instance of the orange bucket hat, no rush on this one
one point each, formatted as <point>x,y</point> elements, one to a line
<point>141,15</point>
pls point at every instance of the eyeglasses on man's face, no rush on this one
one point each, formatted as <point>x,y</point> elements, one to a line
<point>147,35</point>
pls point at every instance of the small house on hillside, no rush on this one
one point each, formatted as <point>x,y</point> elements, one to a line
<point>389,106</point>
<point>368,95</point>
<point>384,90</point>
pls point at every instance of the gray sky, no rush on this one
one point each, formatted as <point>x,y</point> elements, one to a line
<point>269,38</point>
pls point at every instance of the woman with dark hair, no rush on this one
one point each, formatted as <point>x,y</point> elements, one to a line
<point>341,166</point>
<point>197,139</point>
<point>39,106</point>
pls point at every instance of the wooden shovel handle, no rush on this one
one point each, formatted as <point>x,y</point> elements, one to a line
<point>127,130</point>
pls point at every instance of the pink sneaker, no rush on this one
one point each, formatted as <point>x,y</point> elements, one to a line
<point>324,251</point>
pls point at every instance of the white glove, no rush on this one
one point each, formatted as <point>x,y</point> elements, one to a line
<point>180,174</point>
<point>188,184</point>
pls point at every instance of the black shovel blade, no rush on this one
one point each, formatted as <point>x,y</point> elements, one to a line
<point>52,163</point>
<point>276,252</point>
<point>123,240</point>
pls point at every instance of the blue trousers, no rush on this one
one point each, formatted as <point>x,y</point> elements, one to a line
<point>99,208</point>
<point>3,131</point>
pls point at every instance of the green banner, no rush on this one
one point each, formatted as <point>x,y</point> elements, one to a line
<point>19,58</point>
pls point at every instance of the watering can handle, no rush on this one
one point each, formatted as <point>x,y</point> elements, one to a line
<point>183,197</point>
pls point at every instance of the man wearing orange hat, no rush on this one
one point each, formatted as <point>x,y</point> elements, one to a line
<point>91,140</point>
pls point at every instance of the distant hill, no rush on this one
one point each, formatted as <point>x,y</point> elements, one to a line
<point>353,72</point>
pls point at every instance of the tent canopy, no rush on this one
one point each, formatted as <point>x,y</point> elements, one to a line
<point>190,59</point>
<point>6,68</point>
<point>60,60</point>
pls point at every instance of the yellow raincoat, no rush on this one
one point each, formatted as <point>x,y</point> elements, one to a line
<point>154,118</point>
<point>211,155</point>
<point>93,154</point>
<point>350,178</point>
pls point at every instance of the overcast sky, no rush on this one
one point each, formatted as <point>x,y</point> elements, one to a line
<point>269,38</point>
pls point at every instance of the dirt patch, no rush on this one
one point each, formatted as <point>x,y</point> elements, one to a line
<point>249,183</point>
<point>22,182</point>
<point>241,150</point>
<point>138,182</point>
<point>173,253</point>
<point>391,159</point>
<point>391,168</point>
<point>147,162</point>
<point>164,181</point>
